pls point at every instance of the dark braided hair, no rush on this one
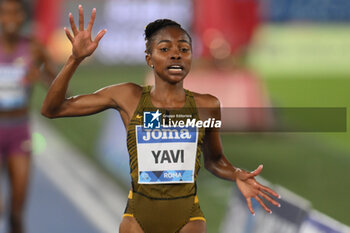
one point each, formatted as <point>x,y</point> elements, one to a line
<point>22,3</point>
<point>16,1</point>
<point>155,26</point>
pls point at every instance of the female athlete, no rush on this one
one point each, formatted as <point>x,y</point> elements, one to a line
<point>21,59</point>
<point>164,160</point>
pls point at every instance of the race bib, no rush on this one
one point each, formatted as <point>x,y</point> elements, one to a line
<point>166,154</point>
<point>13,92</point>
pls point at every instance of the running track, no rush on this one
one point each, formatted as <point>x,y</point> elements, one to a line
<point>68,193</point>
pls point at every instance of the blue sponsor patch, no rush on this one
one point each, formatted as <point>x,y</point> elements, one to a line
<point>166,176</point>
<point>166,135</point>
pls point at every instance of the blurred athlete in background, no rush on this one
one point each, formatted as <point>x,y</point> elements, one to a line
<point>23,62</point>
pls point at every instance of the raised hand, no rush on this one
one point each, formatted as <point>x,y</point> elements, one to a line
<point>82,44</point>
<point>250,188</point>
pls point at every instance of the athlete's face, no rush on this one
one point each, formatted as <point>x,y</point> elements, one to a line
<point>171,54</point>
<point>11,17</point>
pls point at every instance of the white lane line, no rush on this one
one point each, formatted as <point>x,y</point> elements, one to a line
<point>98,198</point>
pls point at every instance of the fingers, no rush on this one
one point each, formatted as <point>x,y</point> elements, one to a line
<point>92,20</point>
<point>68,35</point>
<point>250,207</point>
<point>268,198</point>
<point>263,204</point>
<point>247,175</point>
<point>72,24</point>
<point>257,171</point>
<point>81,18</point>
<point>269,191</point>
<point>100,35</point>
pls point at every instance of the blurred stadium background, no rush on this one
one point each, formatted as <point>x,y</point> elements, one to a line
<point>299,52</point>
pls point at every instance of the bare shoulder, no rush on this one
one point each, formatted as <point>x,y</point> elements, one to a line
<point>36,45</point>
<point>127,90</point>
<point>38,50</point>
<point>206,100</point>
<point>208,106</point>
<point>125,95</point>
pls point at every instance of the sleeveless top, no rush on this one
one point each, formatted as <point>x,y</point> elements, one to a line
<point>166,147</point>
<point>14,88</point>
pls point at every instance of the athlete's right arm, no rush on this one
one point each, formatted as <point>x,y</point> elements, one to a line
<point>55,103</point>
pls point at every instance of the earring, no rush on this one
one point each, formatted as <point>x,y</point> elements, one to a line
<point>152,66</point>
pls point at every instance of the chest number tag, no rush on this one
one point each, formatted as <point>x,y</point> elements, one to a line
<point>13,92</point>
<point>166,155</point>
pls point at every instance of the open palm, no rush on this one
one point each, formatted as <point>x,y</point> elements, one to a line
<point>82,44</point>
<point>250,188</point>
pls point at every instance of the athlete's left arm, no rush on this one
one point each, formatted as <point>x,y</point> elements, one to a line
<point>214,158</point>
<point>216,162</point>
<point>43,63</point>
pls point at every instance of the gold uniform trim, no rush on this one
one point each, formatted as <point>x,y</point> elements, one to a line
<point>128,215</point>
<point>191,219</point>
<point>198,218</point>
<point>130,194</point>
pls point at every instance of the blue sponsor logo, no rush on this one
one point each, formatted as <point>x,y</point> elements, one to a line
<point>166,176</point>
<point>166,135</point>
<point>151,120</point>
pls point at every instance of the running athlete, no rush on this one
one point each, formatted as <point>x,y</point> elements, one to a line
<point>21,60</point>
<point>164,162</point>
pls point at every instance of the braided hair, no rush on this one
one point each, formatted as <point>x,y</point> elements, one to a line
<point>22,3</point>
<point>155,26</point>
